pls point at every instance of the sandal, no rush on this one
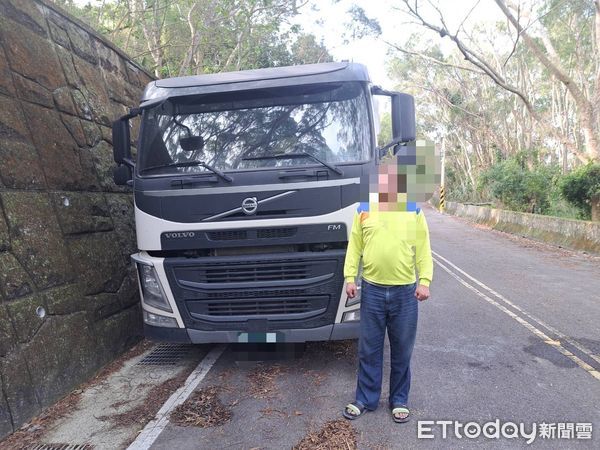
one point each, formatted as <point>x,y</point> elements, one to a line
<point>400,410</point>
<point>354,410</point>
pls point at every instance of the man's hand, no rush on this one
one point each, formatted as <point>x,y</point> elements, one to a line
<point>351,290</point>
<point>422,293</point>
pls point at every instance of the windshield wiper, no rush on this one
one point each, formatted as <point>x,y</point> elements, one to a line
<point>191,164</point>
<point>295,155</point>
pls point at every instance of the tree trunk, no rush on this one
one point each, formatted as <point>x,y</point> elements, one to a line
<point>585,109</point>
<point>595,201</point>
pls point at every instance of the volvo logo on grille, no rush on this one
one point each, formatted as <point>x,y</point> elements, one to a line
<point>180,235</point>
<point>249,205</point>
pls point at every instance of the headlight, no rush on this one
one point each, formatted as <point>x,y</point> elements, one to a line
<point>351,316</point>
<point>152,291</point>
<point>156,320</point>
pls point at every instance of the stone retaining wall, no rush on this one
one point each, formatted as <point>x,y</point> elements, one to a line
<point>69,300</point>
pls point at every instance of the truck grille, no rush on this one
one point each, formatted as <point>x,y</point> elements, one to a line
<point>227,235</point>
<point>271,233</point>
<point>240,308</point>
<point>258,233</point>
<point>250,293</point>
<point>258,307</point>
<point>297,290</point>
<point>265,272</point>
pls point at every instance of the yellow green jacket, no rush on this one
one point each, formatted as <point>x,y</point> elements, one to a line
<point>392,244</point>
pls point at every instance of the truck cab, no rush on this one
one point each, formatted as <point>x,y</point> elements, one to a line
<point>245,186</point>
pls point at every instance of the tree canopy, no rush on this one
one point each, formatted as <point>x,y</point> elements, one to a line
<point>191,37</point>
<point>528,83</point>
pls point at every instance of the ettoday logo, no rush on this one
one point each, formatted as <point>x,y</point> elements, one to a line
<point>430,429</point>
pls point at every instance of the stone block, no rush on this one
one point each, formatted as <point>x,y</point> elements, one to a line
<point>118,332</point>
<point>18,387</point>
<point>122,214</point>
<point>12,122</point>
<point>69,356</point>
<point>32,92</point>
<point>20,168</point>
<point>31,55</point>
<point>14,281</point>
<point>82,212</point>
<point>94,90</point>
<point>4,236</point>
<point>133,75</point>
<point>66,61</point>
<point>110,61</point>
<point>7,338</point>
<point>102,157</point>
<point>58,151</point>
<point>136,76</point>
<point>6,82</point>
<point>106,134</point>
<point>105,305</point>
<point>23,315</point>
<point>129,293</point>
<point>92,132</point>
<point>6,425</point>
<point>36,239</point>
<point>26,13</point>
<point>117,110</point>
<point>81,43</point>
<point>59,34</point>
<point>100,265</point>
<point>89,170</point>
<point>81,104</point>
<point>120,90</point>
<point>73,126</point>
<point>64,100</point>
<point>64,300</point>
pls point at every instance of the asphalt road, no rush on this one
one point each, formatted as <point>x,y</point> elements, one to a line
<point>511,332</point>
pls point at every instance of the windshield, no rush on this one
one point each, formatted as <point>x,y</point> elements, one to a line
<point>256,129</point>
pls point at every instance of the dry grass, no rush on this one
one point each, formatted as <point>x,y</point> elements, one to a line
<point>263,380</point>
<point>317,377</point>
<point>333,435</point>
<point>203,409</point>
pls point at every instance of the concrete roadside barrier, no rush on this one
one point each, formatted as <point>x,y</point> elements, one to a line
<point>574,234</point>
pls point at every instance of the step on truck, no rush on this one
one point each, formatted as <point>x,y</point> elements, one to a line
<point>245,185</point>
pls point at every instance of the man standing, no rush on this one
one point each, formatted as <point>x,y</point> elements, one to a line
<point>391,235</point>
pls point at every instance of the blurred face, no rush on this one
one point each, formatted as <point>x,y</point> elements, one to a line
<point>404,179</point>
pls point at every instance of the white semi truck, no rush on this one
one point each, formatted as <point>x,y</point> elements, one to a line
<point>245,186</point>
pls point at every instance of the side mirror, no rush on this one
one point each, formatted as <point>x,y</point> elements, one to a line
<point>122,175</point>
<point>122,142</point>
<point>403,117</point>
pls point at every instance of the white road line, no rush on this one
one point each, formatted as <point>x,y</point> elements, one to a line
<point>153,429</point>
<point>554,343</point>
<point>553,330</point>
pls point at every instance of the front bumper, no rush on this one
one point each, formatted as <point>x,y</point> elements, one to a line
<point>338,331</point>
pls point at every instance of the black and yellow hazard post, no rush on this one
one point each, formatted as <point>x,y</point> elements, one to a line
<point>442,204</point>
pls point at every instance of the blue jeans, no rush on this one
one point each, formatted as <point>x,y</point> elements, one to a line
<point>396,308</point>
